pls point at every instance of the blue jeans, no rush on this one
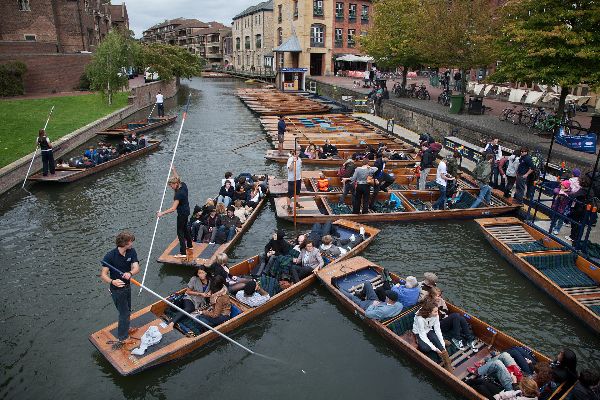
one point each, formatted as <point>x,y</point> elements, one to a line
<point>371,296</point>
<point>212,321</point>
<point>485,193</point>
<point>122,299</point>
<point>440,204</point>
<point>224,199</point>
<point>229,231</point>
<point>348,188</point>
<point>497,367</point>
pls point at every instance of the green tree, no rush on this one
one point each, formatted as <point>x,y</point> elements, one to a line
<point>390,41</point>
<point>555,42</point>
<point>457,34</point>
<point>171,61</point>
<point>105,71</point>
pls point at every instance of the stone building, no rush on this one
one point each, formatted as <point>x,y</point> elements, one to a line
<point>203,38</point>
<point>54,38</point>
<point>252,32</point>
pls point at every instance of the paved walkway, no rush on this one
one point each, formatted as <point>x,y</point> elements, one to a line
<point>488,125</point>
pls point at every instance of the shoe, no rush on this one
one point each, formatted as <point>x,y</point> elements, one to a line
<point>180,256</point>
<point>458,344</point>
<point>211,242</point>
<point>118,345</point>
<point>473,346</point>
<point>568,238</point>
<point>362,230</point>
<point>479,364</point>
<point>299,206</point>
<point>472,370</point>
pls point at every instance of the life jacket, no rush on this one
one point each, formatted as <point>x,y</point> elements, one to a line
<point>323,185</point>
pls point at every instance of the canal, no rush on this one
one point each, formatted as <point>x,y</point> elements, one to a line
<point>52,238</point>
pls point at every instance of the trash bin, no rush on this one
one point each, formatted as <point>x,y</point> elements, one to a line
<point>456,103</point>
<point>434,80</point>
<point>475,105</point>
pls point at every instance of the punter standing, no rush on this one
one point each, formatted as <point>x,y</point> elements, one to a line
<point>122,258</point>
<point>47,153</point>
<point>182,206</point>
<point>294,179</point>
<point>160,104</point>
<point>280,133</point>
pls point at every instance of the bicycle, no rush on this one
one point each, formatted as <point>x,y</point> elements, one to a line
<point>422,93</point>
<point>444,98</point>
<point>507,113</point>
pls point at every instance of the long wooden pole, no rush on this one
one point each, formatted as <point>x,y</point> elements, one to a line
<point>151,111</point>
<point>36,147</point>
<point>162,200</point>
<point>295,178</point>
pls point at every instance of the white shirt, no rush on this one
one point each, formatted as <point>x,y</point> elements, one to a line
<point>253,301</point>
<point>441,171</point>
<point>290,169</point>
<point>422,326</point>
<point>159,98</point>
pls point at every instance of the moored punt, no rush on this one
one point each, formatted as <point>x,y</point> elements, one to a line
<point>71,174</point>
<point>138,127</point>
<point>397,205</point>
<point>273,102</point>
<point>274,155</point>
<point>205,253</point>
<point>570,279</point>
<point>175,344</point>
<point>351,272</point>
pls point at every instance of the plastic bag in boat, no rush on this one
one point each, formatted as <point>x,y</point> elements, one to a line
<point>149,338</point>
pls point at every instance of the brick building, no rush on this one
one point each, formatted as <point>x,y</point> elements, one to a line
<point>353,18</point>
<point>203,38</point>
<point>49,36</point>
<point>253,38</point>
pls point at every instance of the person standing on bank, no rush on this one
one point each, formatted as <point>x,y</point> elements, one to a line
<point>482,173</point>
<point>182,206</point>
<point>47,153</point>
<point>442,178</point>
<point>160,104</point>
<point>294,179</point>
<point>280,133</point>
<point>524,170</point>
<point>124,258</point>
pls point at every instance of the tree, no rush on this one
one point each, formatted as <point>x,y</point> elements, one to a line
<point>105,71</point>
<point>554,42</point>
<point>390,40</point>
<point>456,34</point>
<point>171,61</point>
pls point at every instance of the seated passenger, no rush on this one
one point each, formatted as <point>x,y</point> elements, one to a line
<point>501,367</point>
<point>330,250</point>
<point>226,193</point>
<point>584,389</point>
<point>60,163</point>
<point>429,281</point>
<point>277,257</point>
<point>308,261</point>
<point>142,142</point>
<point>228,177</point>
<point>240,194</point>
<point>230,223</point>
<point>252,295</point>
<point>240,211</point>
<point>87,163</point>
<point>311,152</point>
<point>196,294</point>
<point>426,327</point>
<point>132,138</point>
<point>454,325</point>
<point>209,227</point>
<point>527,390</point>
<point>322,183</point>
<point>542,374</point>
<point>374,308</point>
<point>255,195</point>
<point>219,310</point>
<point>408,293</point>
<point>91,154</point>
<point>220,268</point>
<point>328,150</point>
<point>564,368</point>
<point>524,358</point>
<point>221,209</point>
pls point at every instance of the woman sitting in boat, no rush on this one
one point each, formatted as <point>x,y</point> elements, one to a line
<point>240,211</point>
<point>501,367</point>
<point>240,194</point>
<point>309,261</point>
<point>219,310</point>
<point>221,209</point>
<point>142,142</point>
<point>429,281</point>
<point>426,328</point>
<point>277,256</point>
<point>253,295</point>
<point>196,294</point>
<point>311,152</point>
<point>209,227</point>
<point>328,150</point>
<point>564,368</point>
<point>329,249</point>
<point>220,268</point>
<point>527,390</point>
<point>255,195</point>
<point>226,193</point>
<point>454,325</point>
<point>542,374</point>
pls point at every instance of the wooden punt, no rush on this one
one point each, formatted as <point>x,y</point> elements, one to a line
<point>320,208</point>
<point>205,253</point>
<point>570,279</point>
<point>274,155</point>
<point>68,174</point>
<point>174,343</point>
<point>350,272</point>
<point>138,127</point>
<point>273,102</point>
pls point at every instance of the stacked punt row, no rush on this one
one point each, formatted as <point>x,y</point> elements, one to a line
<point>272,102</point>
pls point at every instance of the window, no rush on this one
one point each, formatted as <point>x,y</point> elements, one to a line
<point>247,42</point>
<point>318,8</point>
<point>339,37</point>
<point>258,56</point>
<point>339,10</point>
<point>317,35</point>
<point>24,5</point>
<point>258,41</point>
<point>280,55</point>
<point>279,13</point>
<point>279,36</point>
<point>237,43</point>
<point>247,59</point>
<point>364,15</point>
<point>30,37</point>
<point>295,9</point>
<point>351,33</point>
<point>352,12</point>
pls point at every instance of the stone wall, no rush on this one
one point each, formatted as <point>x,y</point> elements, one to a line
<point>145,95</point>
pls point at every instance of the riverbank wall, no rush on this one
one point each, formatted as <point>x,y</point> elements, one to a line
<point>140,97</point>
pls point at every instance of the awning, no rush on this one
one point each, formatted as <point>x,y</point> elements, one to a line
<point>292,45</point>
<point>355,58</point>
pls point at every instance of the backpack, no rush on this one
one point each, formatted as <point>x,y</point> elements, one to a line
<point>479,171</point>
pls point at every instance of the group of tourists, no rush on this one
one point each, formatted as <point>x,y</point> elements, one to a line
<point>104,152</point>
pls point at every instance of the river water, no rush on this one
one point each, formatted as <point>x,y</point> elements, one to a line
<point>51,241</point>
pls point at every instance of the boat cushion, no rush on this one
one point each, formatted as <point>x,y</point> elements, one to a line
<point>339,208</point>
<point>235,311</point>
<point>270,285</point>
<point>595,309</point>
<point>561,269</point>
<point>527,247</point>
<point>355,278</point>
<point>403,324</point>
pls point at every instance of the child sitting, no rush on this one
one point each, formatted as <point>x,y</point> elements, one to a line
<point>322,183</point>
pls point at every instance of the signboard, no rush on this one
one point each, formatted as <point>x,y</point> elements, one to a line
<point>293,69</point>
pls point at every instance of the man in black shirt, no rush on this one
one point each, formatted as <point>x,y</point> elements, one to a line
<point>524,171</point>
<point>123,258</point>
<point>182,206</point>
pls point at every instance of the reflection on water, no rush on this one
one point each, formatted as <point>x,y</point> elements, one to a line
<point>52,239</point>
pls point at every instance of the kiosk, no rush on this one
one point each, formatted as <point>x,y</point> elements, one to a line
<point>293,79</point>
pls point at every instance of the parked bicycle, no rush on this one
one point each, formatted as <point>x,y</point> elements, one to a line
<point>507,113</point>
<point>422,93</point>
<point>399,91</point>
<point>444,98</point>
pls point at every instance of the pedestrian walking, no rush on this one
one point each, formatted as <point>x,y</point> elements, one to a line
<point>47,153</point>
<point>160,104</point>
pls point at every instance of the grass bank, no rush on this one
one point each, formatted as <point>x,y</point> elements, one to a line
<point>21,120</point>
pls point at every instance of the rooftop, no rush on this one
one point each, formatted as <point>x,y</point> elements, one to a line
<point>264,6</point>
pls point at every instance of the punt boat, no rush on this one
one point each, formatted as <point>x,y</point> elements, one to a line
<point>570,279</point>
<point>138,127</point>
<point>397,205</point>
<point>179,341</point>
<point>350,273</point>
<point>71,174</point>
<point>205,253</point>
<point>275,155</point>
<point>273,102</point>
